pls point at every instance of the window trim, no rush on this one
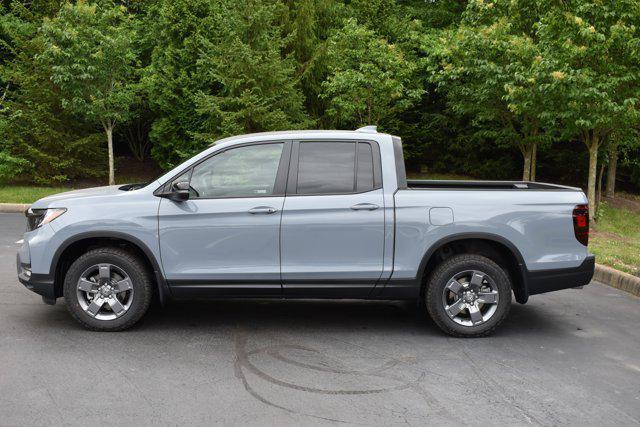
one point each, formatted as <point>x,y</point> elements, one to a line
<point>279,186</point>
<point>373,169</point>
<point>292,182</point>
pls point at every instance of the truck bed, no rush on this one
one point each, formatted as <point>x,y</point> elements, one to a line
<point>418,184</point>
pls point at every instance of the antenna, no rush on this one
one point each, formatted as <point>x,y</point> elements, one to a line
<point>368,129</point>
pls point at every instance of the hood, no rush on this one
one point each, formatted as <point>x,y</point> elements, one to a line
<point>56,199</point>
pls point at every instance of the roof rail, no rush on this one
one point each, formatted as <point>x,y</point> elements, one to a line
<point>368,129</point>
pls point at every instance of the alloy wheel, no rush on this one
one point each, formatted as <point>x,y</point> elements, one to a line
<point>105,291</point>
<point>470,298</point>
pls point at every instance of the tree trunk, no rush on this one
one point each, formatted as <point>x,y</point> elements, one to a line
<point>611,172</point>
<point>599,190</point>
<point>526,169</point>
<point>592,144</point>
<point>109,131</point>
<point>534,159</point>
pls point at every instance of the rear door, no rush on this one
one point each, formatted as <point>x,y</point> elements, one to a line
<point>332,233</point>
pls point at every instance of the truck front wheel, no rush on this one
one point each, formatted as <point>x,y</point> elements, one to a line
<point>107,289</point>
<point>468,295</point>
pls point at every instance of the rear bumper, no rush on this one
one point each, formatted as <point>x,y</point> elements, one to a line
<point>539,282</point>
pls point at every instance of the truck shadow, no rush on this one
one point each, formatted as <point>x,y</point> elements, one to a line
<point>303,316</point>
<point>328,316</point>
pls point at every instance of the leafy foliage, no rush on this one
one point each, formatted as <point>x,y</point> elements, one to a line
<point>595,83</point>
<point>369,79</point>
<point>89,50</point>
<point>489,68</point>
<point>40,142</point>
<point>220,68</point>
<point>530,72</point>
<point>491,88</point>
<point>592,53</point>
<point>254,87</point>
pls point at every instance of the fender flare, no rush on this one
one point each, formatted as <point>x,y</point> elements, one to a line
<point>163,288</point>
<point>521,296</point>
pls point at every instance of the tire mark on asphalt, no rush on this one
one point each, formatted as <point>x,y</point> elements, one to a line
<point>421,391</point>
<point>243,362</point>
<point>243,355</point>
<point>275,353</point>
<point>241,358</point>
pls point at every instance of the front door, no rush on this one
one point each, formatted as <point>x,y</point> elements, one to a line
<point>224,240</point>
<point>332,235</point>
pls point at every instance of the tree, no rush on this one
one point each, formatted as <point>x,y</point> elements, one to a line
<point>594,85</point>
<point>89,48</point>
<point>251,80</point>
<point>489,68</point>
<point>622,141</point>
<point>220,68</point>
<point>475,87</point>
<point>41,142</point>
<point>369,81</point>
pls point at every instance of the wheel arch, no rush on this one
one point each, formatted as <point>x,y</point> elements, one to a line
<point>495,247</point>
<point>75,246</point>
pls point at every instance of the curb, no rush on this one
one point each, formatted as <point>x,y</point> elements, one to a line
<point>617,279</point>
<point>13,207</point>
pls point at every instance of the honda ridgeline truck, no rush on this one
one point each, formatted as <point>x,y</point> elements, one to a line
<point>306,214</point>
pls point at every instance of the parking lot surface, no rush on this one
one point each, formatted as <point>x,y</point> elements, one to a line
<point>570,357</point>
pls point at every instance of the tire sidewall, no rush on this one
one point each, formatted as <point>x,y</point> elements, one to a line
<point>439,280</point>
<point>139,280</point>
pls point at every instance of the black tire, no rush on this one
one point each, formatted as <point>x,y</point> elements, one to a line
<point>140,280</point>
<point>435,287</point>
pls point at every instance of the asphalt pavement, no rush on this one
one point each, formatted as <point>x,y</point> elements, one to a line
<point>570,357</point>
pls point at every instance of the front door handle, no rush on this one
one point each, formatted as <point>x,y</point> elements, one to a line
<point>365,207</point>
<point>265,210</point>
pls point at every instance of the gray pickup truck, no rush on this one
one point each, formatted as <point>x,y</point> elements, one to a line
<point>306,214</point>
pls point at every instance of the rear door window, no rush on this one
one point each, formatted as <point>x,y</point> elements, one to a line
<point>326,167</point>
<point>335,168</point>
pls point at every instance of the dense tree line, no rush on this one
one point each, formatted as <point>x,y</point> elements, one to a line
<point>487,88</point>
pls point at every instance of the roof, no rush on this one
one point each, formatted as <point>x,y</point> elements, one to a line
<point>297,134</point>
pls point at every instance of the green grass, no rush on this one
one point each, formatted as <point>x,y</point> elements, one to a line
<point>26,194</point>
<point>615,239</point>
<point>31,193</point>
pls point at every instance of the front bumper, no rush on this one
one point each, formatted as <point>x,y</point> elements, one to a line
<point>41,284</point>
<point>539,282</point>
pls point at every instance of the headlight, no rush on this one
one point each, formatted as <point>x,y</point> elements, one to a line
<point>39,217</point>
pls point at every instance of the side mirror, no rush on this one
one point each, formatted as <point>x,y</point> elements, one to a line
<point>179,192</point>
<point>181,186</point>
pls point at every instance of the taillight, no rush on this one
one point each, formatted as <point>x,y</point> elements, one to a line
<point>581,223</point>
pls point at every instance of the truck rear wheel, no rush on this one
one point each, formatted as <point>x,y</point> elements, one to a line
<point>107,289</point>
<point>468,295</point>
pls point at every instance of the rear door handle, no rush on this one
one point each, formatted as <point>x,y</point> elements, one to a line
<point>265,210</point>
<point>365,207</point>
